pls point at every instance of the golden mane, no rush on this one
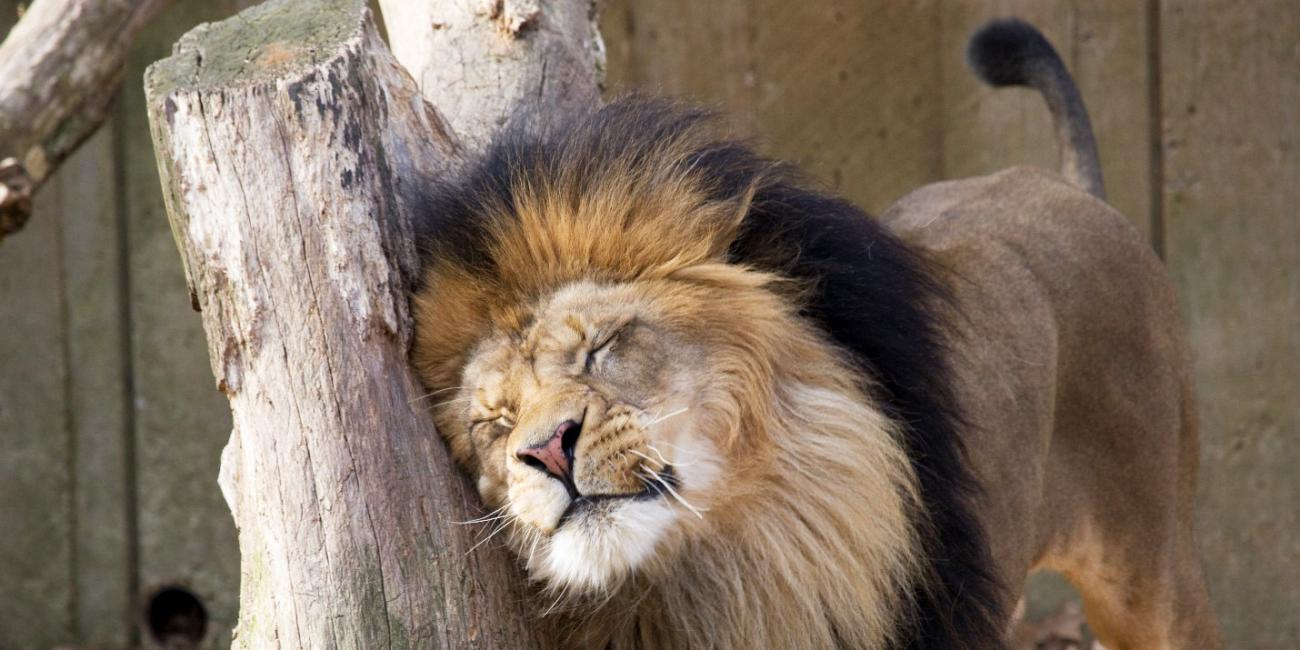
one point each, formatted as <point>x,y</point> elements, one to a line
<point>595,211</point>
<point>829,538</point>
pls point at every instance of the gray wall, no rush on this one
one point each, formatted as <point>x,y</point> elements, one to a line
<point>111,429</point>
<point>1196,105</point>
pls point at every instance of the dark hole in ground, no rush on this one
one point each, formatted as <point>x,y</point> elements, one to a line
<point>176,618</point>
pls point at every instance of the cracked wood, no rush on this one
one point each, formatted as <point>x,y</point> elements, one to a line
<point>289,141</point>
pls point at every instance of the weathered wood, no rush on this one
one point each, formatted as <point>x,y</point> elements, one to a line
<point>289,143</point>
<point>1232,152</point>
<point>59,70</point>
<point>479,61</point>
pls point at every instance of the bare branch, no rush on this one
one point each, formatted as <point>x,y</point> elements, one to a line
<point>59,69</point>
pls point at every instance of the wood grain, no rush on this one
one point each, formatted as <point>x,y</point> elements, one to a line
<point>480,62</point>
<point>289,142</point>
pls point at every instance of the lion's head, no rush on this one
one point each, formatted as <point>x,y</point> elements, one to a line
<point>594,425</point>
<point>623,349</point>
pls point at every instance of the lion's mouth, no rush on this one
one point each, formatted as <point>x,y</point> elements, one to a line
<point>658,485</point>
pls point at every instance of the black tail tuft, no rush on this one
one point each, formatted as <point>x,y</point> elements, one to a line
<point>1011,52</point>
<point>1006,52</point>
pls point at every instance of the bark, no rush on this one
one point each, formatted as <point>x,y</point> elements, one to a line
<point>480,61</point>
<point>59,70</point>
<point>289,139</point>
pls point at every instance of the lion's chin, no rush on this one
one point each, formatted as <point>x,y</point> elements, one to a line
<point>601,544</point>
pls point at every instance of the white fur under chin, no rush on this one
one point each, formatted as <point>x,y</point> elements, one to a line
<point>596,550</point>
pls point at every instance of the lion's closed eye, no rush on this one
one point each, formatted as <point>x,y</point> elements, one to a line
<point>494,426</point>
<point>605,343</point>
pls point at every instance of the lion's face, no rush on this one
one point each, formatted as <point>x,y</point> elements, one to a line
<point>590,429</point>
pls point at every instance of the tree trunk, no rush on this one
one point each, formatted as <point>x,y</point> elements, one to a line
<point>479,61</point>
<point>289,140</point>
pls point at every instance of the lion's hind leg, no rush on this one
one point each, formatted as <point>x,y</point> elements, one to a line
<point>1142,597</point>
<point>1130,550</point>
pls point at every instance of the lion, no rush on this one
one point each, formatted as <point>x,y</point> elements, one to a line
<point>712,407</point>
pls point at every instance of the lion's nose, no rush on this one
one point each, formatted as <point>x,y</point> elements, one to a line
<point>555,456</point>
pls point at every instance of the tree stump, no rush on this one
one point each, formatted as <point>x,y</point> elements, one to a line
<point>289,140</point>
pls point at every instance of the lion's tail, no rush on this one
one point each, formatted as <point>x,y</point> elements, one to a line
<point>1011,52</point>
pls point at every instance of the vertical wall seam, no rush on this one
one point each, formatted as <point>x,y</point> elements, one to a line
<point>55,187</point>
<point>1156,128</point>
<point>752,62</point>
<point>126,345</point>
<point>1076,40</point>
<point>939,165</point>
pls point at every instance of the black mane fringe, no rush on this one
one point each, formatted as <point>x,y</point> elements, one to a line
<point>880,301</point>
<point>872,294</point>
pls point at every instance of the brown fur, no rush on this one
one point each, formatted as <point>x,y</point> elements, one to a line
<point>1076,382</point>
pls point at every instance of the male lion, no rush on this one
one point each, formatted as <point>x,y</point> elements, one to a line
<point>717,409</point>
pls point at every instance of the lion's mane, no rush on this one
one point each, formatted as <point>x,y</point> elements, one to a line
<point>846,542</point>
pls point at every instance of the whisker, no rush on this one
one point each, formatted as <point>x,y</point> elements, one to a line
<point>563,592</point>
<point>678,450</point>
<point>494,532</point>
<point>649,459</point>
<point>537,537</point>
<point>486,520</point>
<point>684,502</point>
<point>664,461</point>
<point>668,486</point>
<point>651,483</point>
<point>491,516</point>
<point>659,419</point>
<point>452,401</point>
<point>432,393</point>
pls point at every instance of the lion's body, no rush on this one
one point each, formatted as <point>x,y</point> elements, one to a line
<point>717,409</point>
<point>1073,377</point>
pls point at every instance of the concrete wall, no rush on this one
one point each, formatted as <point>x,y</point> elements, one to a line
<point>1196,105</point>
<point>111,429</point>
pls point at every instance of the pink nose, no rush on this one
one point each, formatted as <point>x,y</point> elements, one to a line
<point>554,455</point>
